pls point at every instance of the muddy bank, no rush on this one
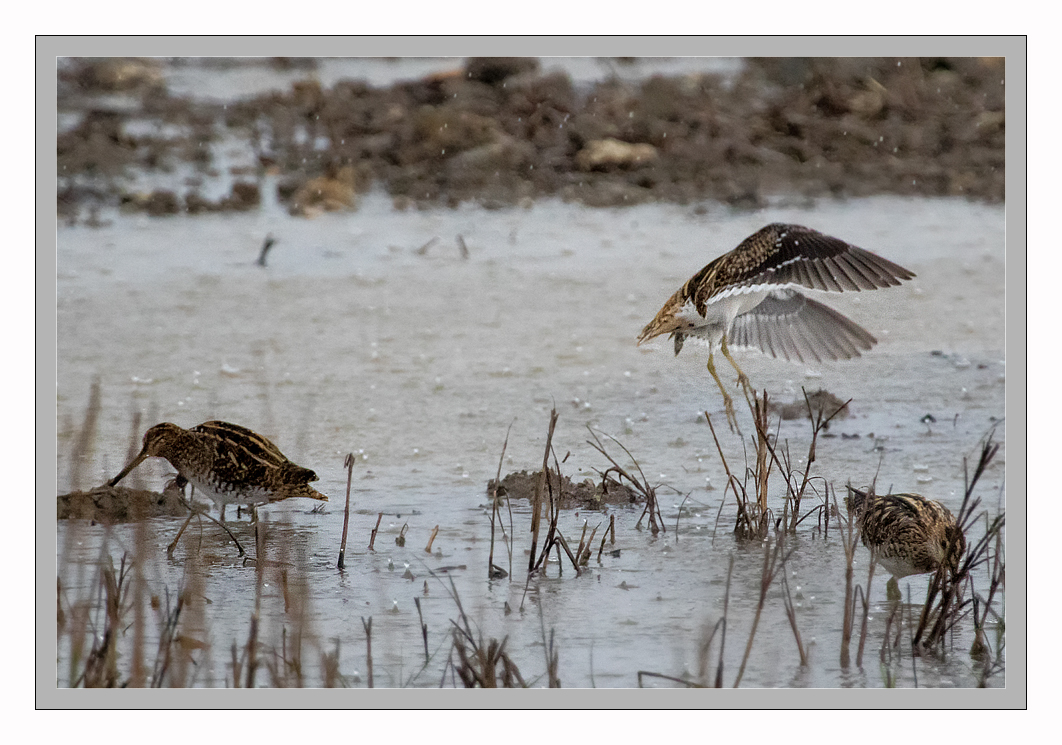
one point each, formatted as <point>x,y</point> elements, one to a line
<point>586,494</point>
<point>118,504</point>
<point>500,131</point>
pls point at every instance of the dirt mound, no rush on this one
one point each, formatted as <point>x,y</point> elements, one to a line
<point>118,504</point>
<point>586,494</point>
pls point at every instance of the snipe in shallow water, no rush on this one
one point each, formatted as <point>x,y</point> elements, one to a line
<point>746,298</point>
<point>228,463</point>
<point>907,534</point>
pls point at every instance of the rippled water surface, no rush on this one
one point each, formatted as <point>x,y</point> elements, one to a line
<point>351,340</point>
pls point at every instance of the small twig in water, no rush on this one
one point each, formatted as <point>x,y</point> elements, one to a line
<point>349,463</point>
<point>372,538</point>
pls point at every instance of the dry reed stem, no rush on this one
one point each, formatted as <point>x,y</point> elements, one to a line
<point>763,467</point>
<point>552,655</point>
<point>652,506</point>
<point>848,542</point>
<point>733,484</point>
<point>372,536</point>
<point>330,675</point>
<point>559,540</point>
<point>790,614</point>
<point>423,629</point>
<point>772,560</point>
<point>609,531</point>
<point>582,540</point>
<point>170,619</point>
<point>584,552</point>
<point>722,632</point>
<point>681,681</point>
<point>478,663</point>
<point>86,438</point>
<point>492,570</point>
<point>866,613</point>
<point>367,625</point>
<point>348,462</point>
<point>536,506</point>
<point>431,539</point>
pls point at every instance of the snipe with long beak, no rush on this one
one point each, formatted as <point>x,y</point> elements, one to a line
<point>746,298</point>
<point>907,534</point>
<point>228,463</point>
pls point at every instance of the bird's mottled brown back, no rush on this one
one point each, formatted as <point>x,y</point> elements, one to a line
<point>243,453</point>
<point>908,527</point>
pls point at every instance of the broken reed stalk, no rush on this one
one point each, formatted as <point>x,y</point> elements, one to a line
<point>585,550</point>
<point>494,515</point>
<point>372,536</point>
<point>423,628</point>
<point>348,462</point>
<point>431,539</point>
<point>609,531</point>
<point>536,505</point>
<point>582,539</point>
<point>367,625</point>
<point>559,540</point>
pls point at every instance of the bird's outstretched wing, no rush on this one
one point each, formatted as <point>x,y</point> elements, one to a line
<point>794,327</point>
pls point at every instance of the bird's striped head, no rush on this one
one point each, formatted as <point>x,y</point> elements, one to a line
<point>158,441</point>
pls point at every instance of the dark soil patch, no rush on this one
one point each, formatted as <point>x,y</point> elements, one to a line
<point>822,402</point>
<point>499,132</point>
<point>585,494</point>
<point>118,504</point>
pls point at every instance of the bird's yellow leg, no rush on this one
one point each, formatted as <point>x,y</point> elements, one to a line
<point>731,417</point>
<point>743,379</point>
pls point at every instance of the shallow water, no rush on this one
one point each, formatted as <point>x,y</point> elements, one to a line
<point>352,341</point>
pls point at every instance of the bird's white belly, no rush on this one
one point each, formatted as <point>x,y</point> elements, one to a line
<point>719,314</point>
<point>241,495</point>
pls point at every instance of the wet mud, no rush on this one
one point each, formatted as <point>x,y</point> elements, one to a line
<point>498,132</point>
<point>118,504</point>
<point>586,493</point>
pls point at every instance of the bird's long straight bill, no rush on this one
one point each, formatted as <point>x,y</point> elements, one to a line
<point>125,471</point>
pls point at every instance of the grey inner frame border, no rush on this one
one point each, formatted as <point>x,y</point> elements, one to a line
<point>1014,48</point>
